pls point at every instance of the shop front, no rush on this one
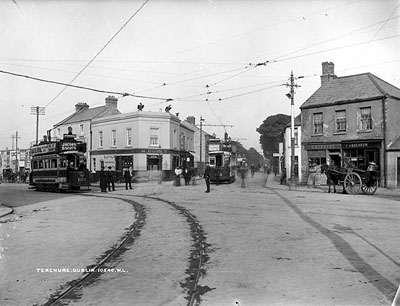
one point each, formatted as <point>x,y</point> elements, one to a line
<point>358,154</point>
<point>323,153</point>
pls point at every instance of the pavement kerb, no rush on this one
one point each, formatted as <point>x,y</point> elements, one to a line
<point>4,211</point>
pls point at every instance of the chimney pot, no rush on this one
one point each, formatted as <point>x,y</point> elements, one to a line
<point>81,105</point>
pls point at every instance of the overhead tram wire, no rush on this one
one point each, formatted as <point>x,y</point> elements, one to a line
<point>124,94</point>
<point>332,49</point>
<point>261,28</point>
<point>376,33</point>
<point>98,53</point>
<point>225,90</point>
<point>328,40</point>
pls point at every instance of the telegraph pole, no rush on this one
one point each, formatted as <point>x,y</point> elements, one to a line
<point>201,142</point>
<point>16,137</point>
<point>290,95</point>
<point>16,152</point>
<point>37,110</point>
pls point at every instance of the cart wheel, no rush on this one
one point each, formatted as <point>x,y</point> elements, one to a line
<point>352,183</point>
<point>369,189</point>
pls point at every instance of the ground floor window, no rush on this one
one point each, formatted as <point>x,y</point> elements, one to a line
<point>154,162</point>
<point>360,158</point>
<point>315,158</point>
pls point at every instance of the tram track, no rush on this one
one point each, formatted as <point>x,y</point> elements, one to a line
<point>198,255</point>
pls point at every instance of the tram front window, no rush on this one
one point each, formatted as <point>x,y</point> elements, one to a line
<point>218,160</point>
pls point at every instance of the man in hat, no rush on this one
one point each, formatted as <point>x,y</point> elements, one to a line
<point>110,179</point>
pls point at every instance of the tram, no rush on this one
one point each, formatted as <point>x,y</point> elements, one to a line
<point>59,164</point>
<point>222,160</point>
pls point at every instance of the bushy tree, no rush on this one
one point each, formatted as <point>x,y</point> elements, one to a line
<point>271,131</point>
<point>252,156</point>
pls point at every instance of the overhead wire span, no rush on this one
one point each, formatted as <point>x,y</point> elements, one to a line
<point>123,94</point>
<point>376,34</point>
<point>332,49</point>
<point>247,93</point>
<point>98,53</point>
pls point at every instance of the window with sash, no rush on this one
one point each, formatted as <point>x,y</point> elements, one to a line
<point>365,119</point>
<point>154,136</point>
<point>113,138</point>
<point>129,137</point>
<point>101,140</point>
<point>317,123</point>
<point>340,121</point>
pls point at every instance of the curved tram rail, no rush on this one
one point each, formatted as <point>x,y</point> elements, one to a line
<point>198,255</point>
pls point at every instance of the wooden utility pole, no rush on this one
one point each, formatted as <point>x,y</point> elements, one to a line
<point>37,110</point>
<point>290,95</point>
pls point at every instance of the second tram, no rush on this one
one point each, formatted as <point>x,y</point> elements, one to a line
<point>59,164</point>
<point>222,160</point>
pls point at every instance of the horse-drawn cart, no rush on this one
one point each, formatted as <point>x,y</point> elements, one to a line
<point>353,180</point>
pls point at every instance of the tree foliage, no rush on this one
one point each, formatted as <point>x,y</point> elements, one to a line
<point>252,156</point>
<point>271,131</point>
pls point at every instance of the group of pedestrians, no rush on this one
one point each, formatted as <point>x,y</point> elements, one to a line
<point>107,180</point>
<point>186,173</point>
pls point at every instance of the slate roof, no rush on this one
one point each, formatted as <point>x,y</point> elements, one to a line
<point>365,86</point>
<point>83,115</point>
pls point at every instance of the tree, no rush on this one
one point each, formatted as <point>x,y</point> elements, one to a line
<point>252,156</point>
<point>271,131</point>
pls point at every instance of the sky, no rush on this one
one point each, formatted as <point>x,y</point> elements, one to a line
<point>225,61</point>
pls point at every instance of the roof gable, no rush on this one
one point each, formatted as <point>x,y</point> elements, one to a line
<point>352,88</point>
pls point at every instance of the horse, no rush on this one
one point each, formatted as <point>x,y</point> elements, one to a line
<point>331,176</point>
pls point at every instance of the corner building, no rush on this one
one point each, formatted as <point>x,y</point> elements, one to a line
<point>145,141</point>
<point>353,119</point>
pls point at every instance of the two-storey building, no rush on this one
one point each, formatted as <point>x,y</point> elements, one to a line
<point>145,141</point>
<point>353,119</point>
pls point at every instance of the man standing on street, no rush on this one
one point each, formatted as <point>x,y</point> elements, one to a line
<point>110,180</point>
<point>207,177</point>
<point>127,177</point>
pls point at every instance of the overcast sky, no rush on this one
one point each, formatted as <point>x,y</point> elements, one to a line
<point>203,54</point>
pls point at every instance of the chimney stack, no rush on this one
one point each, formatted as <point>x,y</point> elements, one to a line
<point>191,120</point>
<point>328,72</point>
<point>81,105</point>
<point>111,102</point>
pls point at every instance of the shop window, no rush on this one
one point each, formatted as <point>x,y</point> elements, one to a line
<point>317,123</point>
<point>315,161</point>
<point>340,121</point>
<point>365,119</point>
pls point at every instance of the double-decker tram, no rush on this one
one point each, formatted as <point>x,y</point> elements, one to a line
<point>59,164</point>
<point>222,160</point>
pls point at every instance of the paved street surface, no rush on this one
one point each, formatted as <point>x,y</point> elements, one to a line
<point>265,246</point>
